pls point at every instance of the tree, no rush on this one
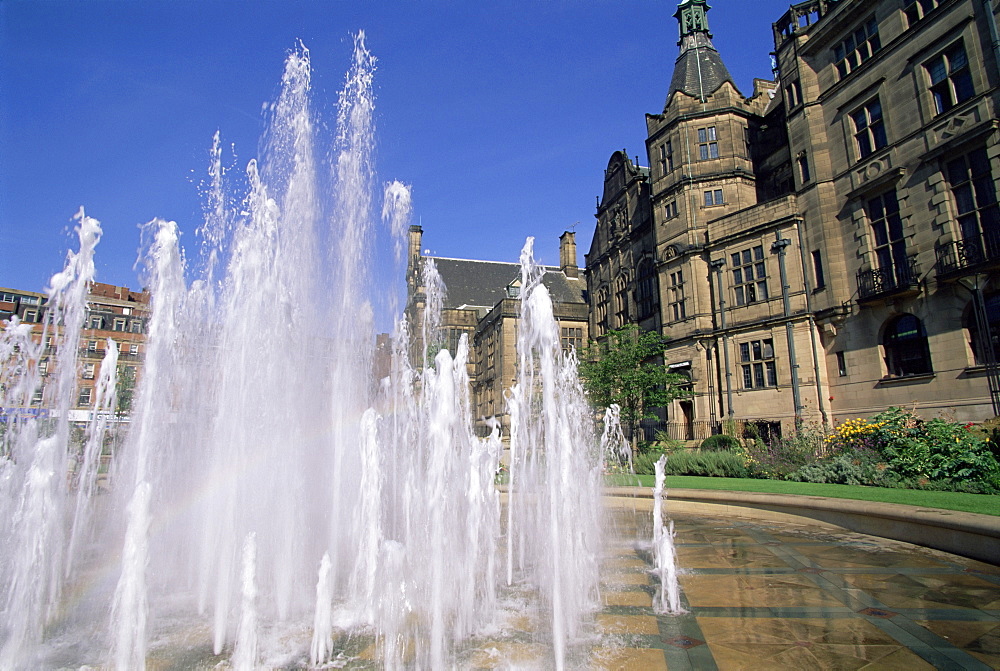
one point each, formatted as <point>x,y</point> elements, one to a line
<point>125,390</point>
<point>624,369</point>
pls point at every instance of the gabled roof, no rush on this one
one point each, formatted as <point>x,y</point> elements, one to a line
<point>483,284</point>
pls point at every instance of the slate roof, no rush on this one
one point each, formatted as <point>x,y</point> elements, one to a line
<point>699,70</point>
<point>483,284</point>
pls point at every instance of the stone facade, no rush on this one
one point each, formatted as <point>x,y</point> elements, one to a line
<point>828,246</point>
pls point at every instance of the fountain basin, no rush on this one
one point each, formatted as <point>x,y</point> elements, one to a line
<point>965,534</point>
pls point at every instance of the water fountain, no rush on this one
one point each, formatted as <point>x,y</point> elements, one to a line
<point>272,503</point>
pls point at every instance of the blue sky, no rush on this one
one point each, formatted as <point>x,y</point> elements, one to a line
<point>501,115</point>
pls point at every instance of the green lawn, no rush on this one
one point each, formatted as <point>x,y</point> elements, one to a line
<point>972,503</point>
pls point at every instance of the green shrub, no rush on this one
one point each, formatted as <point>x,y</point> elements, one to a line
<point>710,464</point>
<point>840,469</point>
<point>907,451</point>
<point>782,456</point>
<point>720,441</point>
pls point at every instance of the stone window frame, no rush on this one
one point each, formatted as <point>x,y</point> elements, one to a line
<point>868,128</point>
<point>991,302</point>
<point>646,289</point>
<point>670,209</point>
<point>666,157</point>
<point>793,93</point>
<point>601,300</point>
<point>905,347</point>
<point>888,231</point>
<point>974,199</point>
<point>621,302</point>
<point>949,86</point>
<point>802,161</point>
<point>677,303</point>
<point>819,278</point>
<point>917,10</point>
<point>714,197</point>
<point>758,364</point>
<point>708,143</point>
<point>571,338</point>
<point>860,45</point>
<point>749,275</point>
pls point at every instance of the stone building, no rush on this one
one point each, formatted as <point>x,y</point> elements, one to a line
<point>113,312</point>
<point>481,301</point>
<point>826,247</point>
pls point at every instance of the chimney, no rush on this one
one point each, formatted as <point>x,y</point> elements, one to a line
<point>567,254</point>
<point>413,260</point>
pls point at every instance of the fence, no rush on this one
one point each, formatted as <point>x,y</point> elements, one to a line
<point>655,429</point>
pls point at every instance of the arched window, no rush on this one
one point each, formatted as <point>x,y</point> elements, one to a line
<point>906,350</point>
<point>601,311</point>
<point>980,343</point>
<point>645,295</point>
<point>621,301</point>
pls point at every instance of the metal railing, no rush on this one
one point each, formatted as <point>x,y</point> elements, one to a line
<point>884,281</point>
<point>699,430</point>
<point>964,255</point>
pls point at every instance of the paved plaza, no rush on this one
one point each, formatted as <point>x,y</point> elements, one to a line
<point>764,595</point>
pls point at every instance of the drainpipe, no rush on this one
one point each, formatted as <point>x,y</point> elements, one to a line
<point>820,401</point>
<point>779,246</point>
<point>717,265</point>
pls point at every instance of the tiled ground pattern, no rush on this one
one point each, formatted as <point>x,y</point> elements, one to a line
<point>776,596</point>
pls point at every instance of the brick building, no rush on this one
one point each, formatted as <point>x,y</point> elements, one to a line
<point>112,312</point>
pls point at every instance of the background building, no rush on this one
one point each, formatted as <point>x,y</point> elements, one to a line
<point>113,312</point>
<point>828,246</point>
<point>481,301</point>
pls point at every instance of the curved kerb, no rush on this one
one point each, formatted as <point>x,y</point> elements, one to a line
<point>966,534</point>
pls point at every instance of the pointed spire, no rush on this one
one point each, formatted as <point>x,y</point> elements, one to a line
<point>699,70</point>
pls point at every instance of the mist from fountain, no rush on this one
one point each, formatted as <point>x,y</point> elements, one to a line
<point>270,497</point>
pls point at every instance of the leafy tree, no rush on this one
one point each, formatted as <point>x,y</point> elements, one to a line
<point>625,369</point>
<point>125,390</point>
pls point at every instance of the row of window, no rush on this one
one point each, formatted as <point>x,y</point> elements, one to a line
<point>711,197</point>
<point>974,199</point>
<point>977,211</point>
<point>708,148</point>
<point>97,322</point>
<point>904,346</point>
<point>949,82</point>
<point>864,41</point>
<point>6,297</point>
<point>132,348</point>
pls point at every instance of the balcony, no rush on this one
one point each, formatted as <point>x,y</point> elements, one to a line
<point>881,283</point>
<point>964,257</point>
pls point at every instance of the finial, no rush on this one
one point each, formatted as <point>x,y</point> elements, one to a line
<point>692,15</point>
